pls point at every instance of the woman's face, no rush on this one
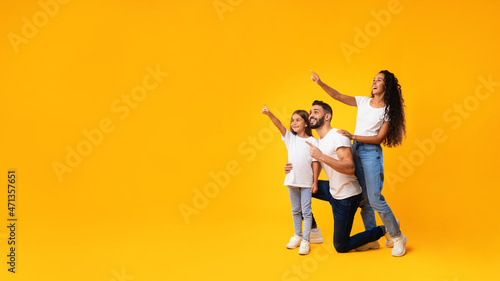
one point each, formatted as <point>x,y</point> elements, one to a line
<point>378,84</point>
<point>298,124</point>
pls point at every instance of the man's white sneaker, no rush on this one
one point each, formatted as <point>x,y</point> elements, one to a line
<point>388,239</point>
<point>294,242</point>
<point>315,236</point>
<point>305,248</point>
<point>399,246</point>
<point>368,246</point>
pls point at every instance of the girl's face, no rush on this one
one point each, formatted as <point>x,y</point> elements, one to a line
<point>378,84</point>
<point>298,124</point>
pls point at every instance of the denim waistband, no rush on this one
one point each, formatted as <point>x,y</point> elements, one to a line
<point>362,143</point>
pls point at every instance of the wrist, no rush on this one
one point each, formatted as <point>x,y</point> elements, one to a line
<point>321,158</point>
<point>353,137</point>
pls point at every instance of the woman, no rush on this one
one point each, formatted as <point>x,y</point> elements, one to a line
<point>380,120</point>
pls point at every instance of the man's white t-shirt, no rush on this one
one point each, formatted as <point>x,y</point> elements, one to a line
<point>298,154</point>
<point>369,119</point>
<point>341,185</point>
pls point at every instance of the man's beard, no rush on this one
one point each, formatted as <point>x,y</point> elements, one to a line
<point>319,122</point>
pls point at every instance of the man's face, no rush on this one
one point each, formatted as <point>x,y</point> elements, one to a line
<point>316,117</point>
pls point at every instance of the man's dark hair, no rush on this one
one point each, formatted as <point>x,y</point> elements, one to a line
<point>326,107</point>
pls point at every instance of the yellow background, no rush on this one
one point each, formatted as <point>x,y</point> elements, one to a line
<point>117,215</point>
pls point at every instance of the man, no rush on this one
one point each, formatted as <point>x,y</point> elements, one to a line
<point>342,190</point>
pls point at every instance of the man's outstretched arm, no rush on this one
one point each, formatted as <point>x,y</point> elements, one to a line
<point>345,164</point>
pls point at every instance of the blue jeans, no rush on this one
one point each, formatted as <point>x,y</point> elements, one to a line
<point>300,198</point>
<point>369,169</point>
<point>343,217</point>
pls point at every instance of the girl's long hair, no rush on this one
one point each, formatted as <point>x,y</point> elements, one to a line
<point>394,110</point>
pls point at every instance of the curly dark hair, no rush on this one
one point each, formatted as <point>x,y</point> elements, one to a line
<point>394,110</point>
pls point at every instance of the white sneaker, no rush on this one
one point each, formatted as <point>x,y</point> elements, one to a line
<point>315,236</point>
<point>368,246</point>
<point>305,248</point>
<point>388,239</point>
<point>294,242</point>
<point>399,246</point>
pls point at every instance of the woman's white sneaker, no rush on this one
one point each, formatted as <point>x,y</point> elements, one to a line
<point>305,247</point>
<point>388,239</point>
<point>399,246</point>
<point>294,242</point>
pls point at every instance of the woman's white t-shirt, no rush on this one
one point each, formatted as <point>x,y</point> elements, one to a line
<point>298,154</point>
<point>369,119</point>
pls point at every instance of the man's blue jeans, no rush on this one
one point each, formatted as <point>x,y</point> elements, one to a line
<point>343,216</point>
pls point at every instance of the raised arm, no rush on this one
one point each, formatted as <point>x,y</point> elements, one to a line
<point>378,139</point>
<point>332,92</point>
<point>275,120</point>
<point>345,164</point>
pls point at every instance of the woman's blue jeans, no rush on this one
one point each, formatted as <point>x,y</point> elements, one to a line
<point>369,169</point>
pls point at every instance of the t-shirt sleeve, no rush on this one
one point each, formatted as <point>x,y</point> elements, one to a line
<point>343,141</point>
<point>360,100</point>
<point>287,137</point>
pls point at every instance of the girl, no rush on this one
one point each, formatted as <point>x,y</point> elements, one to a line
<point>380,119</point>
<point>303,179</point>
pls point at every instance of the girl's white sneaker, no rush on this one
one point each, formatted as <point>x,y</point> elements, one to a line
<point>305,247</point>
<point>294,242</point>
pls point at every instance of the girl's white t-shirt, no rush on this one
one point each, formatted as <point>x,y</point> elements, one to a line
<point>369,119</point>
<point>298,154</point>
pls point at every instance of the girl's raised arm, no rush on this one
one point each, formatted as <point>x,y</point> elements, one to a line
<point>275,120</point>
<point>332,92</point>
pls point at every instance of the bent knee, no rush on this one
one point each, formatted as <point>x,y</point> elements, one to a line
<point>340,248</point>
